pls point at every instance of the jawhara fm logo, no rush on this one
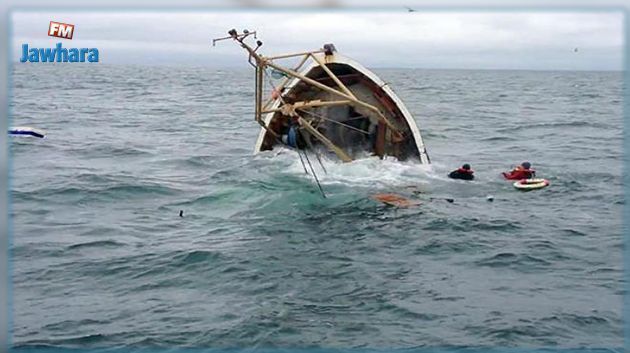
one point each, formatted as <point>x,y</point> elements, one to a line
<point>59,53</point>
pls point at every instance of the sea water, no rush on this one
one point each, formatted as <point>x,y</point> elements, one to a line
<point>101,258</point>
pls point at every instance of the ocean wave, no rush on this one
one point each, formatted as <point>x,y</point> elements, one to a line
<point>442,247</point>
<point>79,341</point>
<point>472,223</point>
<point>497,138</point>
<point>109,151</point>
<point>96,244</point>
<point>87,192</point>
<point>552,126</point>
<point>518,262</point>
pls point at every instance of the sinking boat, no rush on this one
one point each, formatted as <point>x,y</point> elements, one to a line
<point>329,104</point>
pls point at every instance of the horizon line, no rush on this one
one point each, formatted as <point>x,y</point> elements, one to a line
<point>15,62</point>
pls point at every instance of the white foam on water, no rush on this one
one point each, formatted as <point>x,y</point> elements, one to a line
<point>363,172</point>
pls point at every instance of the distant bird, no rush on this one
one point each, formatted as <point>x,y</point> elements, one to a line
<point>575,50</point>
<point>409,9</point>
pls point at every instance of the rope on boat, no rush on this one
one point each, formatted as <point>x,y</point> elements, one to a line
<point>320,162</point>
<point>301,160</point>
<point>333,121</point>
<point>314,175</point>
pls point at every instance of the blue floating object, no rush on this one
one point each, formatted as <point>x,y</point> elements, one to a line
<point>26,131</point>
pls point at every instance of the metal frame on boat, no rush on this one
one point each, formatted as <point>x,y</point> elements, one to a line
<point>316,97</point>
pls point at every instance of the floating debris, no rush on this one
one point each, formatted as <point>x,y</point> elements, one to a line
<point>26,131</point>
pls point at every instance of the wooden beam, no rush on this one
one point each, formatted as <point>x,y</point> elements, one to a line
<point>262,123</point>
<point>343,78</point>
<point>259,88</point>
<point>286,80</point>
<point>284,56</point>
<point>306,104</point>
<point>353,101</point>
<point>333,76</point>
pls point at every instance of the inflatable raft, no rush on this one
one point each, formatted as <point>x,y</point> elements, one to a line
<point>531,184</point>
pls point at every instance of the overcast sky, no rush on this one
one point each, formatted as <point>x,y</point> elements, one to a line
<point>468,40</point>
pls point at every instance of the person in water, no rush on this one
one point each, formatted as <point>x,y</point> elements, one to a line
<point>464,173</point>
<point>523,171</point>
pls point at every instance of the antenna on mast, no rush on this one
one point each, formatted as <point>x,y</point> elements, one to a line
<point>233,34</point>
<point>240,37</point>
